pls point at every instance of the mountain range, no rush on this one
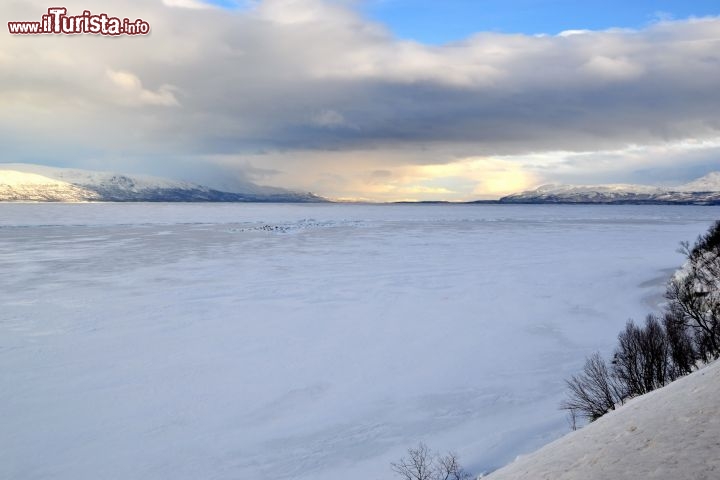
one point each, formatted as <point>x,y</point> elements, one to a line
<point>36,183</point>
<point>703,191</point>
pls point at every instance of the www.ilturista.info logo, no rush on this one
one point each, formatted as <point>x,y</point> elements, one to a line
<point>58,22</point>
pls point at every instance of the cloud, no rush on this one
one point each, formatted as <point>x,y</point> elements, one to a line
<point>668,163</point>
<point>307,12</point>
<point>130,90</point>
<point>193,4</point>
<point>613,68</point>
<point>313,88</point>
<point>381,174</point>
<point>329,119</point>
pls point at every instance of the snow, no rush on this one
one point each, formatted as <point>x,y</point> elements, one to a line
<point>24,186</point>
<point>312,341</point>
<point>556,189</point>
<point>86,177</point>
<point>25,182</point>
<point>13,178</point>
<point>673,432</point>
<point>708,183</point>
<point>689,192</point>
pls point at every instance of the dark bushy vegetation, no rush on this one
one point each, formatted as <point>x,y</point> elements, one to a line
<point>642,361</point>
<point>650,356</point>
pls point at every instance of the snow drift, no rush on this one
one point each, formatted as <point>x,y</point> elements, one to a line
<point>670,433</point>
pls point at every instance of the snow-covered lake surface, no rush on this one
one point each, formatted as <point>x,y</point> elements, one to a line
<point>258,341</point>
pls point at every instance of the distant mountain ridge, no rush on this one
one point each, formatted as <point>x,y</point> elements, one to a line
<point>703,191</point>
<point>36,183</point>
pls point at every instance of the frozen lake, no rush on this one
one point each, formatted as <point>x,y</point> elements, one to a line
<point>259,341</point>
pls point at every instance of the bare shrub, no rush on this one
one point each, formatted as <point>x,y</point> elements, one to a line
<point>649,357</point>
<point>642,360</point>
<point>682,349</point>
<point>694,292</point>
<point>594,392</point>
<point>423,464</point>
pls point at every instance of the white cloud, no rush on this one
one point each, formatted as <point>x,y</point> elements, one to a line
<point>570,33</point>
<point>125,80</point>
<point>620,68</point>
<point>193,4</point>
<point>290,12</point>
<point>133,93</point>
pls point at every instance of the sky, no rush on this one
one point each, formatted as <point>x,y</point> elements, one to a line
<point>379,100</point>
<point>436,22</point>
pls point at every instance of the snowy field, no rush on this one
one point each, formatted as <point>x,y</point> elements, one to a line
<point>258,341</point>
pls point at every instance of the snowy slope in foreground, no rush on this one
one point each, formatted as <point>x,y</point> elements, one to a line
<point>671,433</point>
<point>22,182</point>
<point>703,190</point>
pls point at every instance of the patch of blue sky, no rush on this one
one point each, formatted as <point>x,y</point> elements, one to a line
<point>441,21</point>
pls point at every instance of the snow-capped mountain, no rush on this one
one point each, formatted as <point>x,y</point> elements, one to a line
<point>23,182</point>
<point>705,190</point>
<point>708,183</point>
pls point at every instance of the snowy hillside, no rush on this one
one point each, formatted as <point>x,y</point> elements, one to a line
<point>22,182</point>
<point>19,186</point>
<point>705,190</point>
<point>708,183</point>
<point>671,433</point>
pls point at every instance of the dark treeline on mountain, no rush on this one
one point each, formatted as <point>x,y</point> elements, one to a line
<point>666,346</point>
